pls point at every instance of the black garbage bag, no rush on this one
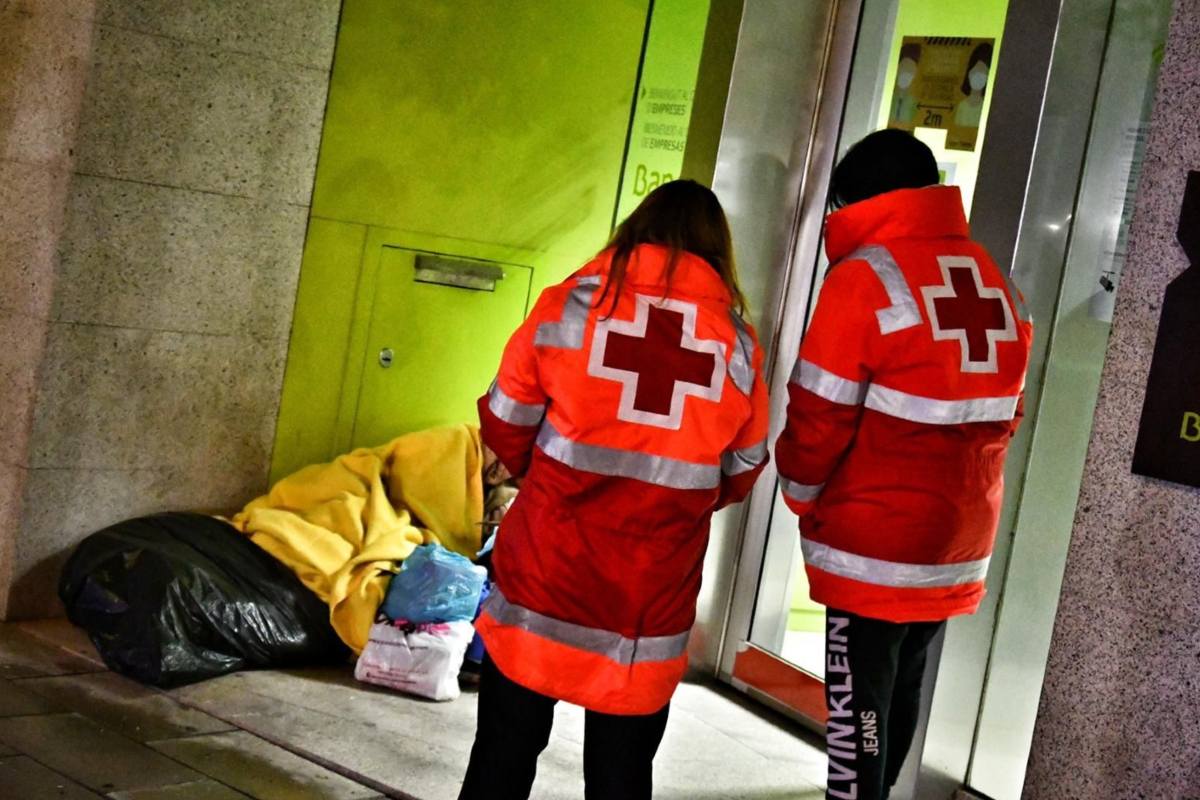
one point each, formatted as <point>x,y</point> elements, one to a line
<point>177,598</point>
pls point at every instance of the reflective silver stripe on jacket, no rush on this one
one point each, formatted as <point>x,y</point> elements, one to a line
<point>568,332</point>
<point>904,311</point>
<point>513,411</point>
<point>741,366</point>
<point>659,470</point>
<point>800,492</point>
<point>891,573</point>
<point>735,462</point>
<point>826,384</point>
<point>915,408</point>
<point>594,640</point>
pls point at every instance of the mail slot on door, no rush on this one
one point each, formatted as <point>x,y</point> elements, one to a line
<point>459,272</point>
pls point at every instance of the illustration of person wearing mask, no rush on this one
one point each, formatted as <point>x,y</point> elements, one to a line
<point>904,103</point>
<point>970,109</point>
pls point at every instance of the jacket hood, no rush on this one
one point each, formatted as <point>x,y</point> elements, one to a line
<point>934,212</point>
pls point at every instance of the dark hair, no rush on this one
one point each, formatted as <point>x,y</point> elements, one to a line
<point>684,217</point>
<point>981,53</point>
<point>912,50</point>
<point>881,162</point>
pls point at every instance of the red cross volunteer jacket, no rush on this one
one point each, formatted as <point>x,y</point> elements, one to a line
<point>906,393</point>
<point>630,428</point>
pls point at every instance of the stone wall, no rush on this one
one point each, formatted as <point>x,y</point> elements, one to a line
<point>45,48</point>
<point>177,263</point>
<point>1121,702</point>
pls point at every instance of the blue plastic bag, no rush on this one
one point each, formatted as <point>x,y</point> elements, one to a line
<point>434,585</point>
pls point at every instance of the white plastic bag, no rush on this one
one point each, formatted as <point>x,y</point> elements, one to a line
<point>420,659</point>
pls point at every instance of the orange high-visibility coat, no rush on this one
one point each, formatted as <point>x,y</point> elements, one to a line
<point>906,392</point>
<point>631,426</point>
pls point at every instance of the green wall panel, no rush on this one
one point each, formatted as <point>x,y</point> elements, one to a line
<point>492,122</point>
<point>308,411</point>
<point>476,129</point>
<point>663,113</point>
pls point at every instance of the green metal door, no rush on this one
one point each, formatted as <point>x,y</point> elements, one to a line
<point>437,325</point>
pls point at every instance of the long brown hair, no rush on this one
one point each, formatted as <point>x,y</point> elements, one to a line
<point>684,217</point>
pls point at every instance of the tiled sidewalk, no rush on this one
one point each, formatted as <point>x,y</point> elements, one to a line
<point>70,729</point>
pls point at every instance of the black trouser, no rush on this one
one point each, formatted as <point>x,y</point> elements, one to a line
<point>514,728</point>
<point>873,672</point>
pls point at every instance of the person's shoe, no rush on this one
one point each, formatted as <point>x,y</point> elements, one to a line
<point>469,674</point>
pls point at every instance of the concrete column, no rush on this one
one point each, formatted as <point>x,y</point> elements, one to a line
<point>1121,701</point>
<point>167,330</point>
<point>45,50</point>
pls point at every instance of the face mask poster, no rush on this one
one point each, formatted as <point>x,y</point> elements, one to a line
<point>941,82</point>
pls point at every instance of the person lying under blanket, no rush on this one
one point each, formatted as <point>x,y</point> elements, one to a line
<point>343,527</point>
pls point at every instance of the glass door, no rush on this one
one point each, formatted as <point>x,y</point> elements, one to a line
<point>919,65</point>
<point>1057,187</point>
<point>1068,258</point>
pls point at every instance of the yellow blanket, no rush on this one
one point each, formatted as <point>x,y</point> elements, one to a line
<point>342,526</point>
